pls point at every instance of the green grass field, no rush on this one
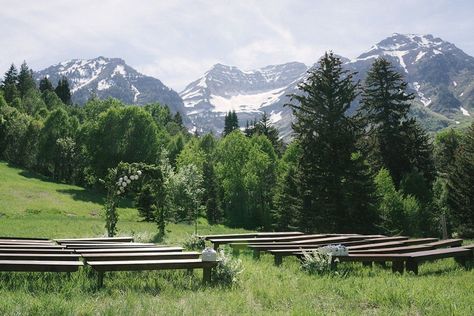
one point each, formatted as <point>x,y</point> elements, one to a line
<point>31,206</point>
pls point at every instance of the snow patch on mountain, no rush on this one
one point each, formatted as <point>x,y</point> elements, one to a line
<point>245,102</point>
<point>275,117</point>
<point>426,101</point>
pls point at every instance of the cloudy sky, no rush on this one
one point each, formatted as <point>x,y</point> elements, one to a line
<point>178,40</point>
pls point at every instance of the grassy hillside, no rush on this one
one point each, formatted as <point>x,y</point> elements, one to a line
<point>31,206</point>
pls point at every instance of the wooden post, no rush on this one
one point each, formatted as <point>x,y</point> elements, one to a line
<point>206,275</point>
<point>412,266</point>
<point>278,260</point>
<point>398,266</point>
<point>256,254</point>
<point>100,279</point>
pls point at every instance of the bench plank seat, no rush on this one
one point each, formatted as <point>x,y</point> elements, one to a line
<point>36,250</point>
<point>122,250</point>
<point>99,239</point>
<point>108,245</point>
<point>402,249</point>
<point>459,253</point>
<point>39,266</point>
<point>251,235</point>
<point>446,243</point>
<point>40,256</point>
<point>140,256</point>
<point>140,265</point>
<point>42,246</point>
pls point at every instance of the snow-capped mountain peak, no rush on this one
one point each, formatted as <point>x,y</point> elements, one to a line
<point>439,73</point>
<point>111,77</point>
<point>249,92</point>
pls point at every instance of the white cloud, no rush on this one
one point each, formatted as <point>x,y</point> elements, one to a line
<point>178,40</point>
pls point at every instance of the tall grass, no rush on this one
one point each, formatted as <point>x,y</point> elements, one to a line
<point>32,206</point>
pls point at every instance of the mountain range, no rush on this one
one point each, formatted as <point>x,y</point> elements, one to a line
<point>111,77</point>
<point>439,74</point>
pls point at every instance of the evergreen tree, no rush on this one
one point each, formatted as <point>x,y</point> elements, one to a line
<point>384,111</point>
<point>62,90</point>
<point>264,127</point>
<point>45,85</point>
<point>327,138</point>
<point>9,85</point>
<point>211,198</point>
<point>178,119</point>
<point>231,123</point>
<point>287,202</point>
<point>25,80</point>
<point>461,186</point>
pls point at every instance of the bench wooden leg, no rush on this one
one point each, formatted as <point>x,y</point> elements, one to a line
<point>412,266</point>
<point>398,266</point>
<point>100,279</point>
<point>216,246</point>
<point>278,260</point>
<point>206,275</point>
<point>256,254</point>
<point>334,264</point>
<point>462,261</point>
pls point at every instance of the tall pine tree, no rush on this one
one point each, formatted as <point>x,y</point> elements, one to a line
<point>62,90</point>
<point>45,85</point>
<point>9,85</point>
<point>461,186</point>
<point>384,111</point>
<point>328,170</point>
<point>25,79</point>
<point>231,122</point>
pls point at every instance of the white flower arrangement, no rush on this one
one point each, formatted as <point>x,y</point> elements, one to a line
<point>124,181</point>
<point>334,250</point>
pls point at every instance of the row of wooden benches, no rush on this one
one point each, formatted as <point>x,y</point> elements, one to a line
<point>102,255</point>
<point>402,251</point>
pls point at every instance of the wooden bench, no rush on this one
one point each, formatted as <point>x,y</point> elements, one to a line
<point>122,250</point>
<point>140,265</point>
<point>446,243</point>
<point>108,245</point>
<point>40,256</point>
<point>316,243</point>
<point>401,249</point>
<point>462,255</point>
<point>39,265</point>
<point>140,256</point>
<point>36,250</point>
<point>392,244</point>
<point>252,235</point>
<point>26,239</point>
<point>99,239</point>
<point>42,246</point>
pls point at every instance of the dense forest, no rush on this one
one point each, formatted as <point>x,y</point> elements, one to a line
<point>376,171</point>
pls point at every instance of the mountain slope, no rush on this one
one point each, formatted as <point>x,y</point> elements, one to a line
<point>111,77</point>
<point>440,74</point>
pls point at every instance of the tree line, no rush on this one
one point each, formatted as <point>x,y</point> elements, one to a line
<point>375,171</point>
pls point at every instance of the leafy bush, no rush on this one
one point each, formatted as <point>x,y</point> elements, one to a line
<point>227,270</point>
<point>317,262</point>
<point>195,242</point>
